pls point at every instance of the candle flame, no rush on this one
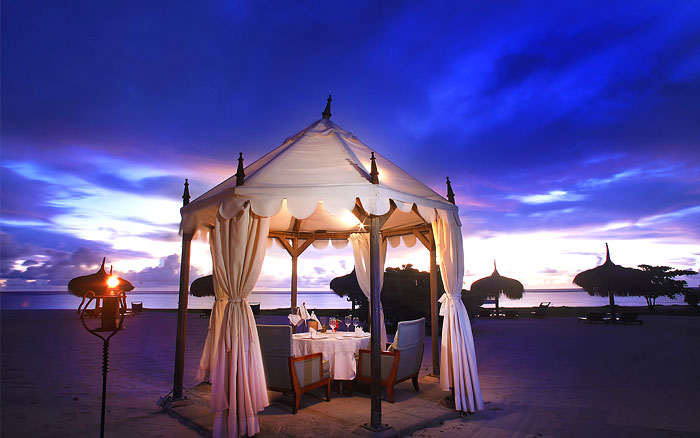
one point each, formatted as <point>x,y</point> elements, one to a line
<point>112,281</point>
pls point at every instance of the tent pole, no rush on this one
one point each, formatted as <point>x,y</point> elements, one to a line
<point>611,296</point>
<point>181,337</point>
<point>433,306</point>
<point>376,364</point>
<point>295,257</point>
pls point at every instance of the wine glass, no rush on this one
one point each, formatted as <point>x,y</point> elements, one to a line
<point>348,322</point>
<point>333,323</point>
<point>356,322</point>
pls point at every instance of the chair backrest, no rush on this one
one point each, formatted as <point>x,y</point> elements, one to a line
<point>276,348</point>
<point>255,307</point>
<point>410,340</point>
<point>136,306</point>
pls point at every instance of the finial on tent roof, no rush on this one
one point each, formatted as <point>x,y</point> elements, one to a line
<point>494,266</point>
<point>450,193</point>
<point>186,194</point>
<point>240,175</point>
<point>607,253</point>
<point>374,173</point>
<point>327,112</point>
<point>104,259</point>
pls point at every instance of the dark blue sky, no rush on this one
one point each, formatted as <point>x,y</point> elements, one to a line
<point>561,126</point>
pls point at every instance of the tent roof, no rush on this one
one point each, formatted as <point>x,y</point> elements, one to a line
<point>317,175</point>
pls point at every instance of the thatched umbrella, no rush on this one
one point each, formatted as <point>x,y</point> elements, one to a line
<point>203,286</point>
<point>96,283</point>
<point>495,285</point>
<point>609,279</point>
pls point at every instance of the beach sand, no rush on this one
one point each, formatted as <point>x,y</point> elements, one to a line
<point>540,378</point>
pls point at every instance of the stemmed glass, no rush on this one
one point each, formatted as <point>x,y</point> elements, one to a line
<point>333,323</point>
<point>348,322</point>
<point>356,322</point>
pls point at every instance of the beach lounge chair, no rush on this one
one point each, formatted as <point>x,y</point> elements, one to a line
<point>286,373</point>
<point>401,362</point>
<point>255,307</point>
<point>511,313</point>
<point>541,311</point>
<point>629,318</point>
<point>484,313</point>
<point>594,317</point>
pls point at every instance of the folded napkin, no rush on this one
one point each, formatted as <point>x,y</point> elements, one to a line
<point>294,319</point>
<point>314,318</point>
<point>359,331</point>
<point>312,333</point>
<point>303,312</point>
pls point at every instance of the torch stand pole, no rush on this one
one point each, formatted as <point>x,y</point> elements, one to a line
<point>105,369</point>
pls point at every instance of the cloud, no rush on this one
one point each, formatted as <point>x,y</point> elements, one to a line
<point>552,196</point>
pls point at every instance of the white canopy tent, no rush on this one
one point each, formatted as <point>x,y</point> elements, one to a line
<point>320,184</point>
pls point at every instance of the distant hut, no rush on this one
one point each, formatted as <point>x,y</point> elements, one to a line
<point>97,283</point>
<point>203,287</point>
<point>494,285</point>
<point>609,279</point>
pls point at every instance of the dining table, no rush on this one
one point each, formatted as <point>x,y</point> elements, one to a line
<point>339,349</point>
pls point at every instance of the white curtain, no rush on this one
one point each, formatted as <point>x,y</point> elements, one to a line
<point>231,355</point>
<point>360,249</point>
<point>457,358</point>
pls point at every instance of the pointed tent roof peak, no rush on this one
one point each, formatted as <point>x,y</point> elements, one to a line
<point>327,112</point>
<point>322,162</point>
<point>607,254</point>
<point>495,271</point>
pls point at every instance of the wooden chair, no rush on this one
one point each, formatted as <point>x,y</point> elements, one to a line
<point>403,360</point>
<point>286,373</point>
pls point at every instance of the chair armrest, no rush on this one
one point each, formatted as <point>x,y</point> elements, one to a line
<point>389,360</point>
<point>306,370</point>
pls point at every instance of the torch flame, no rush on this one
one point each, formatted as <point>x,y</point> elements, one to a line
<point>112,281</point>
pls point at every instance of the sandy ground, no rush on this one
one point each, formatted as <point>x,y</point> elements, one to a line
<point>540,378</point>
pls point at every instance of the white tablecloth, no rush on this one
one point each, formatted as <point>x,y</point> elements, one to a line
<point>338,349</point>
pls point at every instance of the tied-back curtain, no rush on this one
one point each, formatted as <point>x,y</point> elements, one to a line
<point>457,357</point>
<point>360,249</point>
<point>231,355</point>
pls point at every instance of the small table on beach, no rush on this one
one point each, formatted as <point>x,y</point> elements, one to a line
<point>339,349</point>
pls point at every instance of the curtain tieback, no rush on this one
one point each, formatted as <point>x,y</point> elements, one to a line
<point>447,298</point>
<point>228,320</point>
<point>231,300</point>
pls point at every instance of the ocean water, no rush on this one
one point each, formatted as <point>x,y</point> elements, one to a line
<point>169,300</point>
<point>314,300</point>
